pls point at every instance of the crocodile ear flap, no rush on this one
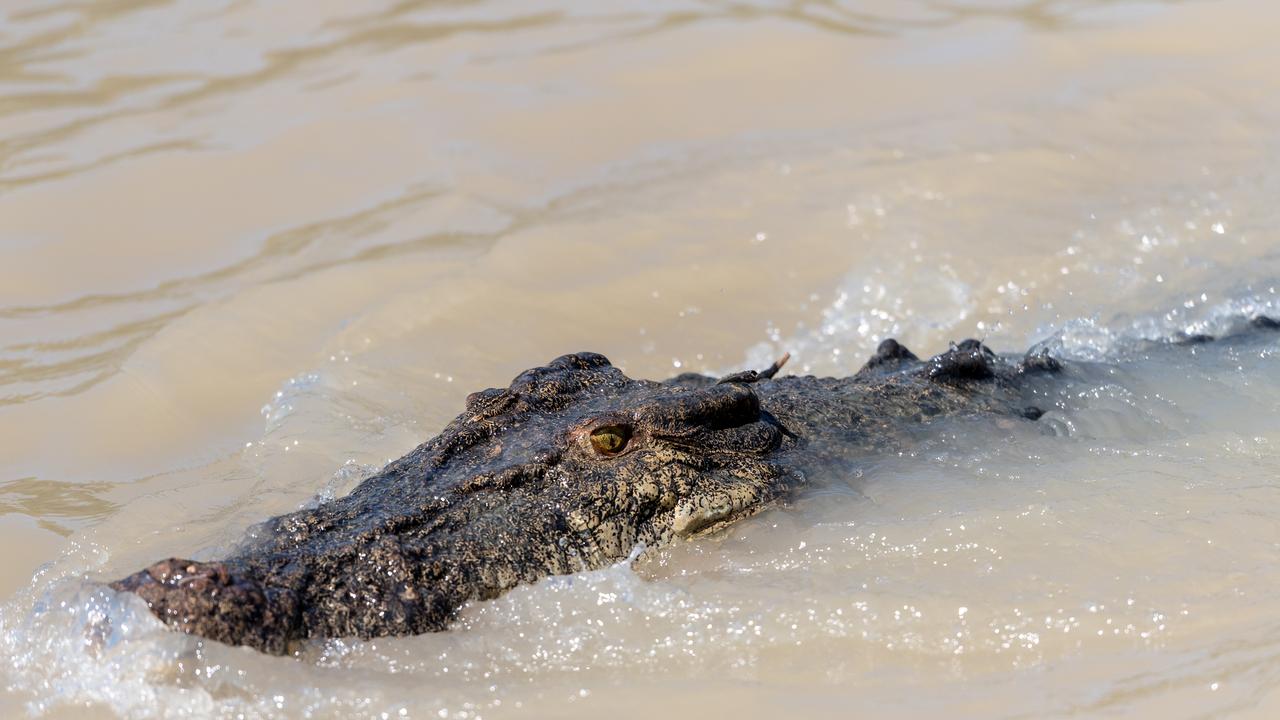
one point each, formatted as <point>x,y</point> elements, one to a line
<point>732,500</point>
<point>708,513</point>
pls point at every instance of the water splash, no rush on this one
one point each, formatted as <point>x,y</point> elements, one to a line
<point>1123,337</point>
<point>282,404</point>
<point>868,307</point>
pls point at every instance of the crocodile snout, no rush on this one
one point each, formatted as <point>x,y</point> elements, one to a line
<point>213,600</point>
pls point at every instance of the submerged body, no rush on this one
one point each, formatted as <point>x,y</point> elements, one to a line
<point>568,469</point>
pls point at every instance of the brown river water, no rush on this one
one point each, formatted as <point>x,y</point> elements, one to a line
<point>250,251</point>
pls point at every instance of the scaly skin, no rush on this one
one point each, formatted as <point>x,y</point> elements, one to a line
<point>515,489</point>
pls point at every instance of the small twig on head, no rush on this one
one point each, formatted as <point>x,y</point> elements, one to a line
<point>774,368</point>
<point>750,376</point>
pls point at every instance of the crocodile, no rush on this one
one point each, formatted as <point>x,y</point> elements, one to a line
<point>571,468</point>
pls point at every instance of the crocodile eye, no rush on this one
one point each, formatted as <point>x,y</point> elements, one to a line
<point>610,439</point>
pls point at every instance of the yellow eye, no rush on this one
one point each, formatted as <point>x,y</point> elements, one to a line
<point>610,439</point>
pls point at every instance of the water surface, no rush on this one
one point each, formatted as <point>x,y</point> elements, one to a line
<point>253,250</point>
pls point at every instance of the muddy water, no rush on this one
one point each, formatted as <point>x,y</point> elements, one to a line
<point>251,251</point>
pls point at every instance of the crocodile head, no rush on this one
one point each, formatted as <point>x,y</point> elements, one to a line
<point>569,468</point>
